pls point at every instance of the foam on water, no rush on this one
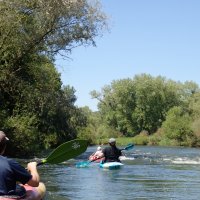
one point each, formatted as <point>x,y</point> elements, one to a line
<point>126,158</point>
<point>185,160</point>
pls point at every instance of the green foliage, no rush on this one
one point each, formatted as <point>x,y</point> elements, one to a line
<point>117,105</point>
<point>155,96</point>
<point>96,130</point>
<point>141,139</point>
<point>47,26</point>
<point>26,138</point>
<point>156,138</point>
<point>177,127</point>
<point>194,105</point>
<point>35,110</point>
<point>147,103</point>
<point>89,131</point>
<point>123,141</point>
<point>133,105</point>
<point>196,131</point>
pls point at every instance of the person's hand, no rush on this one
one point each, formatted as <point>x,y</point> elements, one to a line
<point>31,166</point>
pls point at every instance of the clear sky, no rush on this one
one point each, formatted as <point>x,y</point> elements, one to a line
<point>157,37</point>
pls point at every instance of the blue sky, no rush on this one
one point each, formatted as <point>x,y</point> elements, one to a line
<point>157,37</point>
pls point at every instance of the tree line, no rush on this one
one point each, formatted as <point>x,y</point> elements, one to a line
<point>153,110</point>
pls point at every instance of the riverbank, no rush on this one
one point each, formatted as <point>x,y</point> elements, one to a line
<point>144,139</point>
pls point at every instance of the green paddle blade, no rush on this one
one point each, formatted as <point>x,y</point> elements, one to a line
<point>66,151</point>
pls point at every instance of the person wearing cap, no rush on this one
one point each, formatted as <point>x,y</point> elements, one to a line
<point>111,153</point>
<point>12,172</point>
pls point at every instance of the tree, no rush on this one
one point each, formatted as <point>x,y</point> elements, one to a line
<point>133,105</point>
<point>33,102</point>
<point>154,97</point>
<point>177,127</point>
<point>47,27</point>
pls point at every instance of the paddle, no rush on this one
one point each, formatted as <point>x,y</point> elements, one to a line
<point>128,147</point>
<point>86,163</point>
<point>66,151</point>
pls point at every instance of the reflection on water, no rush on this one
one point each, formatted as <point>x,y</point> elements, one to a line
<point>149,173</point>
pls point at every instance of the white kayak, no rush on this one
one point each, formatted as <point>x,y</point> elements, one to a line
<point>111,165</point>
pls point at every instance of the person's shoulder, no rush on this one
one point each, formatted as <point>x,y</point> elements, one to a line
<point>7,161</point>
<point>13,162</point>
<point>3,159</point>
<point>104,149</point>
<point>107,148</point>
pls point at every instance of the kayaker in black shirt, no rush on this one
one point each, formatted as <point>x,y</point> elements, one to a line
<point>111,153</point>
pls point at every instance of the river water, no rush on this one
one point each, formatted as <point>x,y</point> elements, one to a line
<point>149,173</point>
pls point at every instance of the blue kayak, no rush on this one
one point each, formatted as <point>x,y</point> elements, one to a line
<point>111,165</point>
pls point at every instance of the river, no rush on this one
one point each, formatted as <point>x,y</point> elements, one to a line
<point>149,173</point>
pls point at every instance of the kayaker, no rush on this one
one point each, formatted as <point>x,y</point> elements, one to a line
<point>11,173</point>
<point>111,153</point>
<point>96,155</point>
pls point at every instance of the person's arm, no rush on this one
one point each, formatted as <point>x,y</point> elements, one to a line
<point>32,168</point>
<point>120,152</point>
